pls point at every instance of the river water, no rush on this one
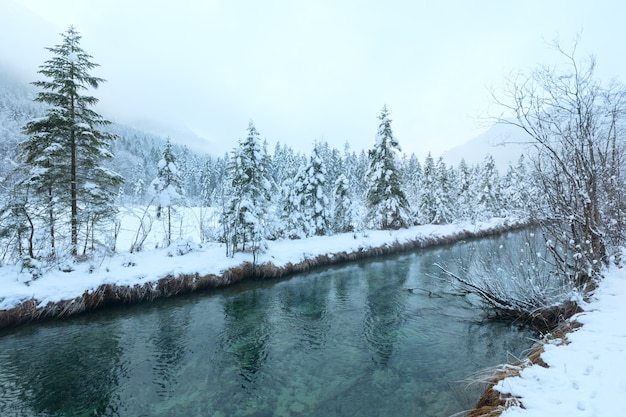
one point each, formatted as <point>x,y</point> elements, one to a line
<point>341,341</point>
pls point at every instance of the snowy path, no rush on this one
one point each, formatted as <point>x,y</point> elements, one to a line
<point>586,377</point>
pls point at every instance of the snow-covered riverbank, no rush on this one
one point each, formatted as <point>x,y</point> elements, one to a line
<point>586,376</point>
<point>146,271</point>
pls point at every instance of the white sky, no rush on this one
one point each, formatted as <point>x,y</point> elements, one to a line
<point>307,70</point>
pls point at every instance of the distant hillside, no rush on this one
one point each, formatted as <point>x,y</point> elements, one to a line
<point>16,108</point>
<point>505,143</point>
<point>136,152</point>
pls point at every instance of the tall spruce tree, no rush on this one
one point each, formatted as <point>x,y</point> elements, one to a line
<point>427,199</point>
<point>444,205</point>
<point>462,188</point>
<point>486,188</point>
<point>246,212</point>
<point>66,149</point>
<point>412,180</point>
<point>343,208</point>
<point>387,205</point>
<point>314,197</point>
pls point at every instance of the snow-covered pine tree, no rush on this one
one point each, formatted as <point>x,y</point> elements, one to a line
<point>462,189</point>
<point>516,188</point>
<point>316,203</point>
<point>427,200</point>
<point>386,203</point>
<point>66,148</point>
<point>292,222</point>
<point>247,210</point>
<point>411,180</point>
<point>285,164</point>
<point>486,188</point>
<point>167,189</point>
<point>444,204</point>
<point>304,204</point>
<point>355,167</point>
<point>343,208</point>
<point>332,161</point>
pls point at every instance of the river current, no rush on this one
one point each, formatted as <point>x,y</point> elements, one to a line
<point>341,341</point>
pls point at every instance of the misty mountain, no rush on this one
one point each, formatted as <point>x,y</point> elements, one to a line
<point>505,143</point>
<point>16,108</point>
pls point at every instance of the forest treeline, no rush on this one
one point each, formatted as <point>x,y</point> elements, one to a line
<point>66,171</point>
<point>435,192</point>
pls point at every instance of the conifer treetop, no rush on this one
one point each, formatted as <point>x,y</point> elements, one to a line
<point>68,71</point>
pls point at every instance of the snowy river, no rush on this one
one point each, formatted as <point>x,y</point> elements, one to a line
<point>341,341</point>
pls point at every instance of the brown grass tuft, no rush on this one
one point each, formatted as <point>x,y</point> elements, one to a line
<point>492,403</point>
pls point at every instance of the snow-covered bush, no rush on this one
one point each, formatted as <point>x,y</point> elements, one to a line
<point>182,247</point>
<point>521,285</point>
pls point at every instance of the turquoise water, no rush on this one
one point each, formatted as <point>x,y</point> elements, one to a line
<point>342,341</point>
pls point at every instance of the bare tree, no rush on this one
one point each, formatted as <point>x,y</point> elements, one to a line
<point>577,130</point>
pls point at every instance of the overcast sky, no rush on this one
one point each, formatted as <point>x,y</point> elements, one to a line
<point>313,70</point>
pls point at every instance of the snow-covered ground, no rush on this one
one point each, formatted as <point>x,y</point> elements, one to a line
<point>185,256</point>
<point>587,377</point>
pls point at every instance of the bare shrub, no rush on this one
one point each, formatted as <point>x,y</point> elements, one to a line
<point>520,284</point>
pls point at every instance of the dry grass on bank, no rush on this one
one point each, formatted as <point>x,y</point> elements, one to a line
<point>492,403</point>
<point>168,286</point>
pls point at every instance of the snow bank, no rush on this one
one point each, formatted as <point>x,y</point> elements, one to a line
<point>147,268</point>
<point>587,376</point>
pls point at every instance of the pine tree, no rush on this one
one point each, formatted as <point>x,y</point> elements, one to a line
<point>462,189</point>
<point>486,188</point>
<point>387,205</point>
<point>343,212</point>
<point>412,179</point>
<point>246,217</point>
<point>66,149</point>
<point>427,199</point>
<point>510,189</point>
<point>316,203</point>
<point>516,188</point>
<point>285,164</point>
<point>167,189</point>
<point>293,224</point>
<point>355,168</point>
<point>444,208</point>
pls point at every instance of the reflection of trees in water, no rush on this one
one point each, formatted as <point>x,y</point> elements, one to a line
<point>247,331</point>
<point>306,308</point>
<point>169,341</point>
<point>69,375</point>
<point>386,307</point>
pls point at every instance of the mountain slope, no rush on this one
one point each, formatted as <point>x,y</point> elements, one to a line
<point>505,143</point>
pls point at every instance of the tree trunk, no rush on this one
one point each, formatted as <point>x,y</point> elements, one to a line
<point>51,220</point>
<point>73,185</point>
<point>169,225</point>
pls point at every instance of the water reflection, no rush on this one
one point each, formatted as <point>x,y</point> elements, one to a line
<point>305,311</point>
<point>169,341</point>
<point>342,341</point>
<point>72,372</point>
<point>386,307</point>
<point>247,331</point>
